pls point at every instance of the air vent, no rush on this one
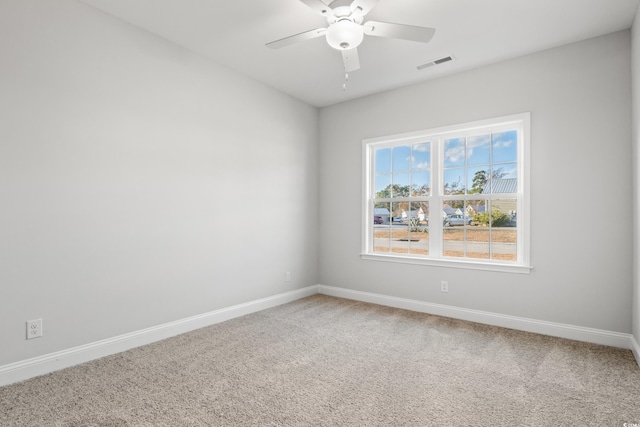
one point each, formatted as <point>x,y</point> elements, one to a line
<point>435,62</point>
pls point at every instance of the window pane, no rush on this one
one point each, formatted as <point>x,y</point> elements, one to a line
<point>463,234</point>
<point>504,230</point>
<point>477,179</point>
<point>453,242</point>
<point>453,213</point>
<point>421,158</point>
<point>419,228</point>
<point>478,150</point>
<point>454,181</point>
<point>400,228</point>
<point>507,170</point>
<point>477,242</point>
<point>401,187</point>
<point>398,211</point>
<point>420,184</point>
<point>452,207</point>
<point>383,186</point>
<point>381,235</point>
<point>383,160</point>
<point>454,152</point>
<point>504,146</point>
<point>477,210</point>
<point>400,237</point>
<point>477,235</point>
<point>420,212</point>
<point>401,157</point>
<point>503,212</point>
<point>381,213</point>
<point>381,239</point>
<point>504,179</point>
<point>504,244</point>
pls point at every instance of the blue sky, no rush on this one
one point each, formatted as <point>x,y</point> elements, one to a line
<point>410,164</point>
<point>479,149</point>
<point>463,157</point>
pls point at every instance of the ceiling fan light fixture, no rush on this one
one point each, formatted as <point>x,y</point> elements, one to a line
<point>344,34</point>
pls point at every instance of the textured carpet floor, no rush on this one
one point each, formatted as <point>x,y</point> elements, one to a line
<point>334,362</point>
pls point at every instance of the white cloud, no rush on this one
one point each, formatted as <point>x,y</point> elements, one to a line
<point>504,139</point>
<point>455,154</point>
<point>505,143</point>
<point>422,147</point>
<point>478,141</point>
<point>511,173</point>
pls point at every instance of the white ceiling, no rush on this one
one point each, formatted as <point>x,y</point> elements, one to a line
<point>475,32</point>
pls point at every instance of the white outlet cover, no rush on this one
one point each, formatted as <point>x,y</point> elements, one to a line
<point>34,328</point>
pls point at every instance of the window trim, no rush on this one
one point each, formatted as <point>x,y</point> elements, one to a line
<point>522,121</point>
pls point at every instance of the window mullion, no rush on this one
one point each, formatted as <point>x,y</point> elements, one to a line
<point>435,210</point>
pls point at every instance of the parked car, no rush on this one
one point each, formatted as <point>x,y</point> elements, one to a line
<point>397,219</point>
<point>377,220</point>
<point>457,219</point>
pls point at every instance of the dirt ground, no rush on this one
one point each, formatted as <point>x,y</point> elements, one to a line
<point>419,241</point>
<point>473,234</point>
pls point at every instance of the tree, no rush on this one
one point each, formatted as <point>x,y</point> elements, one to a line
<point>454,187</point>
<point>420,190</point>
<point>394,190</point>
<point>498,218</point>
<point>480,179</point>
<point>498,174</point>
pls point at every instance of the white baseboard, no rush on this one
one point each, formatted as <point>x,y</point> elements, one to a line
<point>596,336</point>
<point>41,365</point>
<point>45,364</point>
<point>635,348</point>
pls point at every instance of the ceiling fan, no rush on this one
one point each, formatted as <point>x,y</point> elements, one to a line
<point>346,30</point>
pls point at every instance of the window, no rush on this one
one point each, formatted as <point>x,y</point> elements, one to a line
<point>453,196</point>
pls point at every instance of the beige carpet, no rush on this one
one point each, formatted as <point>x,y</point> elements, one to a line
<point>334,362</point>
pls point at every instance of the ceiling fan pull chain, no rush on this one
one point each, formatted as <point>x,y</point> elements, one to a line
<point>346,79</point>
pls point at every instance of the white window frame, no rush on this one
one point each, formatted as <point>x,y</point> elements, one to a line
<point>436,136</point>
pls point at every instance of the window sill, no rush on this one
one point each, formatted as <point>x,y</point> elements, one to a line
<point>450,263</point>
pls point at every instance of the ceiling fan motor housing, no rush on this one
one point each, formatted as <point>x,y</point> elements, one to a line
<point>344,34</point>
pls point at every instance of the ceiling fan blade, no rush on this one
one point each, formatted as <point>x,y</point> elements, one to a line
<point>307,35</point>
<point>362,7</point>
<point>350,60</point>
<point>318,6</point>
<point>399,31</point>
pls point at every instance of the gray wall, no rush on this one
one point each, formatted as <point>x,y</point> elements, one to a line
<point>635,55</point>
<point>140,184</point>
<point>579,97</point>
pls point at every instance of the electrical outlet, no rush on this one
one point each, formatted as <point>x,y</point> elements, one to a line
<point>287,276</point>
<point>34,328</point>
<point>444,286</point>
